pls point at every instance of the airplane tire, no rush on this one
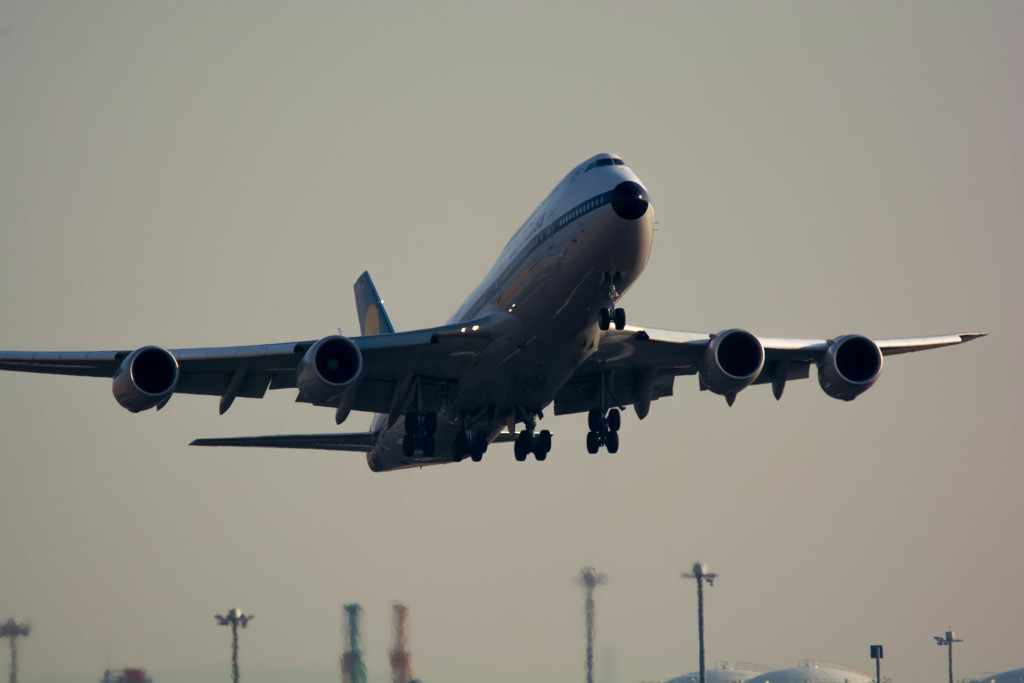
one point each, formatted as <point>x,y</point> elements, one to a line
<point>429,446</point>
<point>595,421</point>
<point>480,442</point>
<point>604,319</point>
<point>476,455</point>
<point>412,423</point>
<point>544,444</point>
<point>522,446</point>
<point>460,446</point>
<point>611,442</point>
<point>430,423</point>
<point>620,318</point>
<point>614,419</point>
<point>593,442</point>
<point>408,446</point>
<point>541,455</point>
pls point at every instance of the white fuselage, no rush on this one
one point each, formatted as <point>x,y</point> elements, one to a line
<point>546,288</point>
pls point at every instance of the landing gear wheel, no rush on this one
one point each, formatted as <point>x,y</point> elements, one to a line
<point>476,456</point>
<point>412,423</point>
<point>611,442</point>
<point>429,446</point>
<point>522,446</point>
<point>480,442</point>
<point>430,423</point>
<point>543,442</point>
<point>542,445</point>
<point>593,442</point>
<point>595,420</point>
<point>620,318</point>
<point>460,446</point>
<point>604,319</point>
<point>614,419</point>
<point>408,446</point>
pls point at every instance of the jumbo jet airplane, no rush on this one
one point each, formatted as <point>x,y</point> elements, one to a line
<point>543,327</point>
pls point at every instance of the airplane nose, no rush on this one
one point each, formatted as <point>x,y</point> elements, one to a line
<point>630,200</point>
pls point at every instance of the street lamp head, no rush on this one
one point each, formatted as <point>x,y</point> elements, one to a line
<point>700,571</point>
<point>14,628</point>
<point>590,578</point>
<point>235,616</point>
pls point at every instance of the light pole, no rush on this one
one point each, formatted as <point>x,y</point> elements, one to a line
<point>590,579</point>
<point>234,618</point>
<point>876,654</point>
<point>700,572</point>
<point>948,640</point>
<point>13,628</point>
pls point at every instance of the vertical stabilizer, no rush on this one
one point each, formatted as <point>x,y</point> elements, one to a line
<point>373,319</point>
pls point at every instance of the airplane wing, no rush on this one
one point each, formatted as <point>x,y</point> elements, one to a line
<point>433,356</point>
<point>636,365</point>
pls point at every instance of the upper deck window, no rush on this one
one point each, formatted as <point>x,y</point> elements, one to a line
<point>604,162</point>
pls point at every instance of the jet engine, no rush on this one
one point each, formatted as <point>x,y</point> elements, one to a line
<point>146,378</point>
<point>330,371</point>
<point>850,366</point>
<point>732,361</point>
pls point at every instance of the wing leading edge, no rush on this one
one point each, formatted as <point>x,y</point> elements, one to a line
<point>636,365</point>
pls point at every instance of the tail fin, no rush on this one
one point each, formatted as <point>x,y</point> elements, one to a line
<point>373,319</point>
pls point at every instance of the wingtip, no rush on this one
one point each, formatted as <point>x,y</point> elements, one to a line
<point>968,336</point>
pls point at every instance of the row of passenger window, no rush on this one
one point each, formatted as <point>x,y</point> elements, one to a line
<point>538,240</point>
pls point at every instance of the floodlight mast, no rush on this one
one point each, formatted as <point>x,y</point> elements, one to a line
<point>13,629</point>
<point>590,579</point>
<point>948,641</point>
<point>234,618</point>
<point>700,572</point>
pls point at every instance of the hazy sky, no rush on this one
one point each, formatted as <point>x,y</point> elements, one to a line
<point>199,174</point>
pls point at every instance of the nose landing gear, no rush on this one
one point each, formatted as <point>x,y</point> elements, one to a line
<point>609,315</point>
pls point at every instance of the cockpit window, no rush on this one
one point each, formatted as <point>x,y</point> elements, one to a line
<point>604,162</point>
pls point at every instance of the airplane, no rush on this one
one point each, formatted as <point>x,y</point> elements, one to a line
<point>543,327</point>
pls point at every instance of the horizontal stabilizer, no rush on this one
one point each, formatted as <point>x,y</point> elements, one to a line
<point>361,442</point>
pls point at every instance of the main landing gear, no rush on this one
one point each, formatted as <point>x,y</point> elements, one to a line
<point>604,431</point>
<point>467,443</point>
<point>530,440</point>
<point>419,434</point>
<point>527,442</point>
<point>609,315</point>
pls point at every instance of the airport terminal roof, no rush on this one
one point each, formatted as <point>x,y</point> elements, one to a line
<point>815,671</point>
<point>1013,676</point>
<point>723,672</point>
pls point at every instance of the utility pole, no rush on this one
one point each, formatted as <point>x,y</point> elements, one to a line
<point>13,629</point>
<point>700,572</point>
<point>234,618</point>
<point>948,641</point>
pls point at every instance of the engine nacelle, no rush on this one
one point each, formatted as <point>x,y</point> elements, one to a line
<point>732,361</point>
<point>850,366</point>
<point>330,371</point>
<point>146,378</point>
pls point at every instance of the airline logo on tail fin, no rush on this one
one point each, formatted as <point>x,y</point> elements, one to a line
<point>373,319</point>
